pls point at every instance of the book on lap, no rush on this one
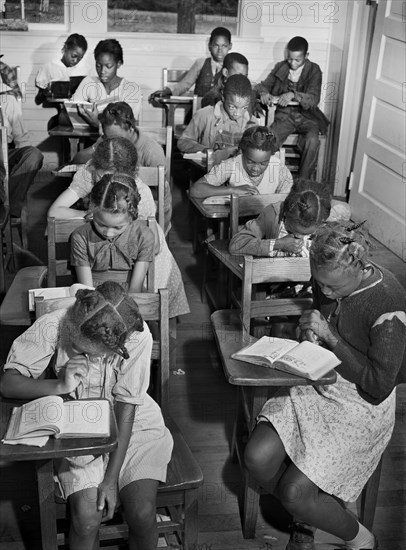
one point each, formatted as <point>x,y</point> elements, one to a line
<point>305,359</point>
<point>52,416</point>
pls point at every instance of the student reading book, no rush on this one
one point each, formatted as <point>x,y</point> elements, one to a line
<point>51,415</point>
<point>305,359</point>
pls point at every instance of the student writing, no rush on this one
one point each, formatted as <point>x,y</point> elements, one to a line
<point>256,169</point>
<point>220,127</point>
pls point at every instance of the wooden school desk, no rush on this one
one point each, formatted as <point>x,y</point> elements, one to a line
<point>76,136</point>
<point>170,104</point>
<point>43,458</point>
<point>255,386</point>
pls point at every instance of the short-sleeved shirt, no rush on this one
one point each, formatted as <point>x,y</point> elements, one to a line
<point>92,89</point>
<point>56,70</point>
<point>275,179</point>
<point>89,248</point>
<point>82,185</point>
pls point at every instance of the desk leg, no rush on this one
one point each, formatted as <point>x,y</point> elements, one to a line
<point>46,498</point>
<point>251,491</point>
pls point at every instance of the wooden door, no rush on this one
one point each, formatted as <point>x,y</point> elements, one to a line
<point>378,191</point>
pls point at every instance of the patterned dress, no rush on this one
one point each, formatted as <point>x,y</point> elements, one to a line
<point>126,381</point>
<point>336,434</point>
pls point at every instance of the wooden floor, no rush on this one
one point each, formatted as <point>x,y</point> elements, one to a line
<point>203,405</point>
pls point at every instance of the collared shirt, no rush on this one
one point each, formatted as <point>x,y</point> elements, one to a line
<point>211,127</point>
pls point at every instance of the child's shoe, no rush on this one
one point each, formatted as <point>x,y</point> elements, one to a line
<point>301,537</point>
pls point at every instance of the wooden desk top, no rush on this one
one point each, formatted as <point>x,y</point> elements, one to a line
<point>54,448</point>
<point>70,131</point>
<point>229,337</point>
<point>211,210</point>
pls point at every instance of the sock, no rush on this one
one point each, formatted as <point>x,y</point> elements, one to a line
<point>363,541</point>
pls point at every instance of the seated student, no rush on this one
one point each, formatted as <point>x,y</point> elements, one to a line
<point>284,228</point>
<point>24,160</point>
<point>117,120</point>
<point>332,437</point>
<point>220,127</point>
<point>73,51</point>
<point>115,245</point>
<point>111,156</point>
<point>204,72</point>
<point>107,86</point>
<point>234,63</point>
<point>101,348</point>
<point>9,80</point>
<point>118,155</point>
<point>256,169</point>
<point>296,79</point>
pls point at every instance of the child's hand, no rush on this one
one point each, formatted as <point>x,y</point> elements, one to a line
<point>265,98</point>
<point>289,243</point>
<point>240,190</point>
<point>90,115</point>
<point>285,99</point>
<point>72,373</point>
<point>313,324</point>
<point>107,499</point>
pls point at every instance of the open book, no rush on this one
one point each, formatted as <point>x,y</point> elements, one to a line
<point>51,415</point>
<point>53,292</point>
<point>305,359</point>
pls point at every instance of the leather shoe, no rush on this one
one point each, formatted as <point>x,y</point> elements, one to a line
<point>301,537</point>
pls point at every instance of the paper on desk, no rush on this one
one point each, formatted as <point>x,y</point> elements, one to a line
<point>32,441</point>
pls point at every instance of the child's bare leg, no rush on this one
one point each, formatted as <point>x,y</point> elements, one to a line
<point>139,503</point>
<point>264,453</point>
<point>85,520</point>
<point>307,503</point>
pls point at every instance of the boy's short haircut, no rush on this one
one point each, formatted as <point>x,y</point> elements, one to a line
<point>234,57</point>
<point>239,85</point>
<point>220,31</point>
<point>298,44</point>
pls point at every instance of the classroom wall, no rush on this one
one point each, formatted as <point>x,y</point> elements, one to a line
<point>265,29</point>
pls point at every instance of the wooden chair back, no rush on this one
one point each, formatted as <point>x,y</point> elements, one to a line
<point>271,270</point>
<point>154,176</point>
<point>250,206</point>
<point>59,232</point>
<point>163,136</point>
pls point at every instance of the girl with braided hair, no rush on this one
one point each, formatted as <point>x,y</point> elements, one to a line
<point>333,437</point>
<point>284,228</point>
<point>114,245</point>
<point>100,347</point>
<point>256,169</point>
